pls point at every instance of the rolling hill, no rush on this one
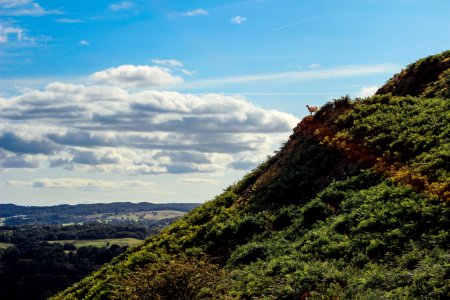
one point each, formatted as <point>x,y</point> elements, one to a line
<point>353,206</point>
<point>11,214</point>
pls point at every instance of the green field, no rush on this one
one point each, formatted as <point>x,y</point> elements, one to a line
<point>5,245</point>
<point>131,242</point>
<point>135,216</point>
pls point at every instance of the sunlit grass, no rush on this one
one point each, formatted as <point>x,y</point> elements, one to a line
<point>131,242</point>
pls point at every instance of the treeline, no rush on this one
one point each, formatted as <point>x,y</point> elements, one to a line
<point>62,214</point>
<point>35,269</point>
<point>88,231</point>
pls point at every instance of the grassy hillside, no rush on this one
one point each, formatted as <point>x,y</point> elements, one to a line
<point>353,206</point>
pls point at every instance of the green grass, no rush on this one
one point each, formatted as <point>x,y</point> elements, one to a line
<point>131,242</point>
<point>5,245</point>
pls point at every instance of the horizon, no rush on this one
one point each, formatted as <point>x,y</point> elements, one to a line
<point>115,202</point>
<point>171,102</point>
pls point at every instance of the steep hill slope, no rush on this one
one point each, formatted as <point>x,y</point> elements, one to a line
<point>354,205</point>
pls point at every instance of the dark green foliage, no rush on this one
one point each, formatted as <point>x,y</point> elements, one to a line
<point>411,134</point>
<point>248,253</point>
<point>36,269</point>
<point>90,231</point>
<point>428,77</point>
<point>180,278</point>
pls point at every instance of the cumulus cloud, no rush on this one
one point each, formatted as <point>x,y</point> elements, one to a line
<point>124,5</point>
<point>9,160</point>
<point>238,20</point>
<point>174,65</point>
<point>14,143</point>
<point>84,43</point>
<point>136,76</point>
<point>367,91</point>
<point>111,129</point>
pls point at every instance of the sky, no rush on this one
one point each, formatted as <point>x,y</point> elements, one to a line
<point>174,100</point>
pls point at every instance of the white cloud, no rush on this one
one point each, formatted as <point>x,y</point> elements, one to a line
<point>174,65</point>
<point>367,91</point>
<point>295,76</point>
<point>7,31</point>
<point>188,72</point>
<point>80,183</point>
<point>169,63</point>
<point>24,8</point>
<point>195,13</point>
<point>198,180</point>
<point>238,20</point>
<point>68,21</point>
<point>314,66</point>
<point>13,3</point>
<point>124,5</point>
<point>110,129</point>
<point>136,76</point>
<point>84,43</point>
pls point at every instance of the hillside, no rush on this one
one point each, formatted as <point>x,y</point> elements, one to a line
<point>353,206</point>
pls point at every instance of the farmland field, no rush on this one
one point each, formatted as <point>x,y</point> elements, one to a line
<point>5,245</point>
<point>135,216</point>
<point>131,242</point>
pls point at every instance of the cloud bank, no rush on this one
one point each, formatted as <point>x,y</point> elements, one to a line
<point>79,183</point>
<point>108,127</point>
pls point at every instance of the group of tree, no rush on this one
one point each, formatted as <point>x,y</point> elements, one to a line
<point>36,266</point>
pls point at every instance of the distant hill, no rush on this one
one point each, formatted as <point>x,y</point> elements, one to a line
<point>62,214</point>
<point>355,205</point>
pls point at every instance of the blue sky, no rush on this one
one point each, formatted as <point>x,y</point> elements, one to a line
<point>169,101</point>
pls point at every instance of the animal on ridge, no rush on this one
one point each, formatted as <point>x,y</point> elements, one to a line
<point>312,109</point>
